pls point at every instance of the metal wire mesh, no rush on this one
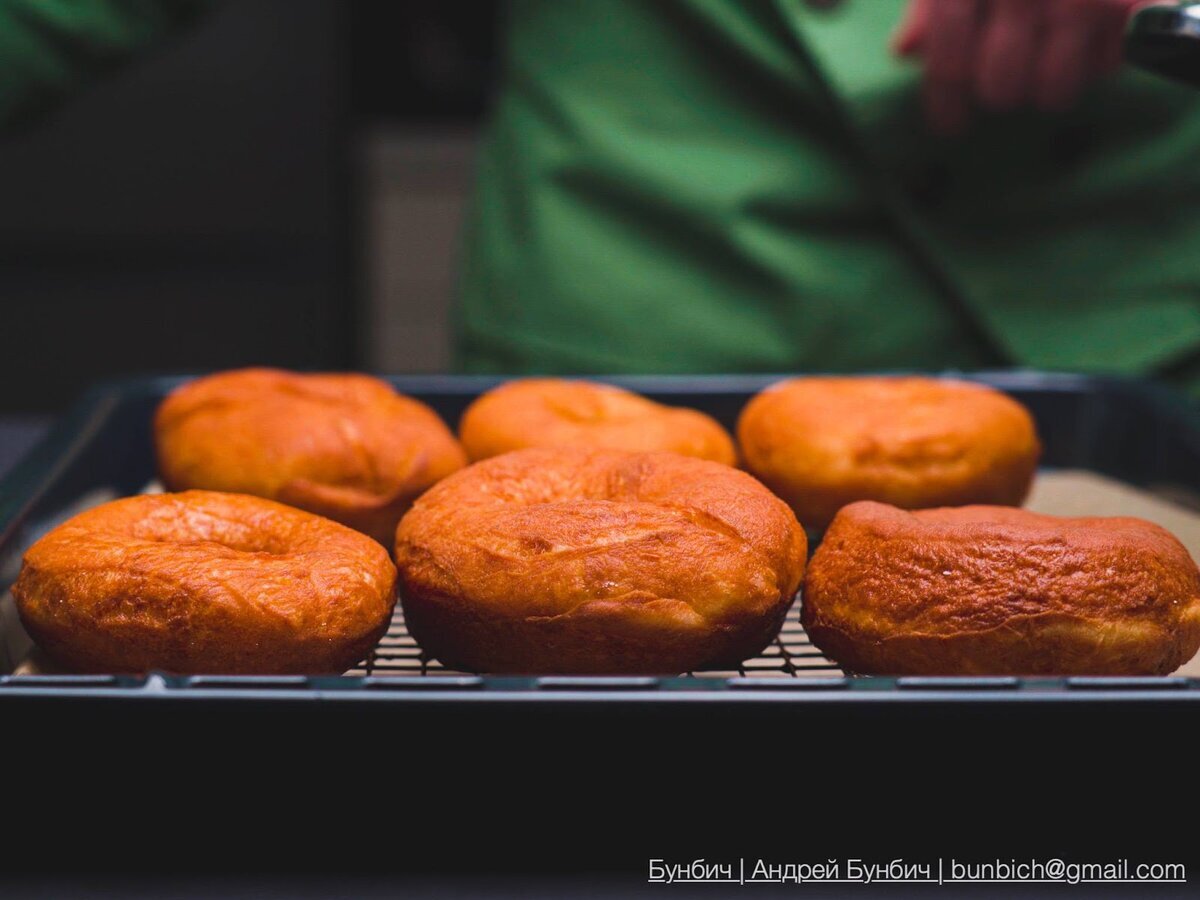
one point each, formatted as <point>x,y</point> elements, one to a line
<point>791,654</point>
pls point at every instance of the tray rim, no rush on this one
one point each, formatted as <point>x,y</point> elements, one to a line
<point>471,690</point>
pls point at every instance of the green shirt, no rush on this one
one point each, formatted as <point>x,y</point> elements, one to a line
<point>732,185</point>
<point>51,48</point>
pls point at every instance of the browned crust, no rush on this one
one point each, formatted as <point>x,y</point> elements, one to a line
<point>203,582</point>
<point>995,590</point>
<point>575,561</point>
<point>551,412</point>
<point>344,446</point>
<point>820,443</point>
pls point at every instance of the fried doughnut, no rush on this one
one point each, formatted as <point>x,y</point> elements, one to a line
<point>340,445</point>
<point>570,561</point>
<point>203,582</point>
<point>820,443</point>
<point>984,590</point>
<point>550,412</point>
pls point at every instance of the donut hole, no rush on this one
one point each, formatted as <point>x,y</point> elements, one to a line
<point>586,408</point>
<point>191,525</point>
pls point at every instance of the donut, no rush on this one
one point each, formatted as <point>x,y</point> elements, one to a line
<point>204,582</point>
<point>820,443</point>
<point>571,561</point>
<point>343,446</point>
<point>551,412</point>
<point>992,590</point>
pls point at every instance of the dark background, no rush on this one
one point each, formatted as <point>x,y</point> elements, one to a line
<point>209,205</point>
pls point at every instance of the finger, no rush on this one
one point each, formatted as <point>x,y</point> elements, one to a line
<point>949,52</point>
<point>949,42</point>
<point>1008,50</point>
<point>1108,50</point>
<point>1063,65</point>
<point>909,36</point>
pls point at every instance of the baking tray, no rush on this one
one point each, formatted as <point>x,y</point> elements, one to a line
<point>455,774</point>
<point>1137,432</point>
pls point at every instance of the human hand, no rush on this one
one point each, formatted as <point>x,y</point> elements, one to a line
<point>1004,54</point>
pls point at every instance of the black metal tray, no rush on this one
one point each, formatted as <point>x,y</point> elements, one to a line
<point>450,774</point>
<point>1134,431</point>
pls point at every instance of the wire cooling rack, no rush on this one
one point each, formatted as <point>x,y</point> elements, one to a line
<point>790,655</point>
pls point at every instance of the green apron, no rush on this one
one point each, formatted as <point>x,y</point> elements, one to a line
<point>738,185</point>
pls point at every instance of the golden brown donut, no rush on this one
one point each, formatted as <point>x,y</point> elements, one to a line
<point>340,445</point>
<point>562,560</point>
<point>984,590</point>
<point>820,443</point>
<point>551,412</point>
<point>202,582</point>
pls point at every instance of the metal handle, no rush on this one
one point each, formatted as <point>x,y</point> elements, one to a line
<point>1166,40</point>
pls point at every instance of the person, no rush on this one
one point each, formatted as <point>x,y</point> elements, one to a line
<point>782,185</point>
<point>734,185</point>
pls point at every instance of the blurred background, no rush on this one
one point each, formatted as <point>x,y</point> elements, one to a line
<point>295,167</point>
